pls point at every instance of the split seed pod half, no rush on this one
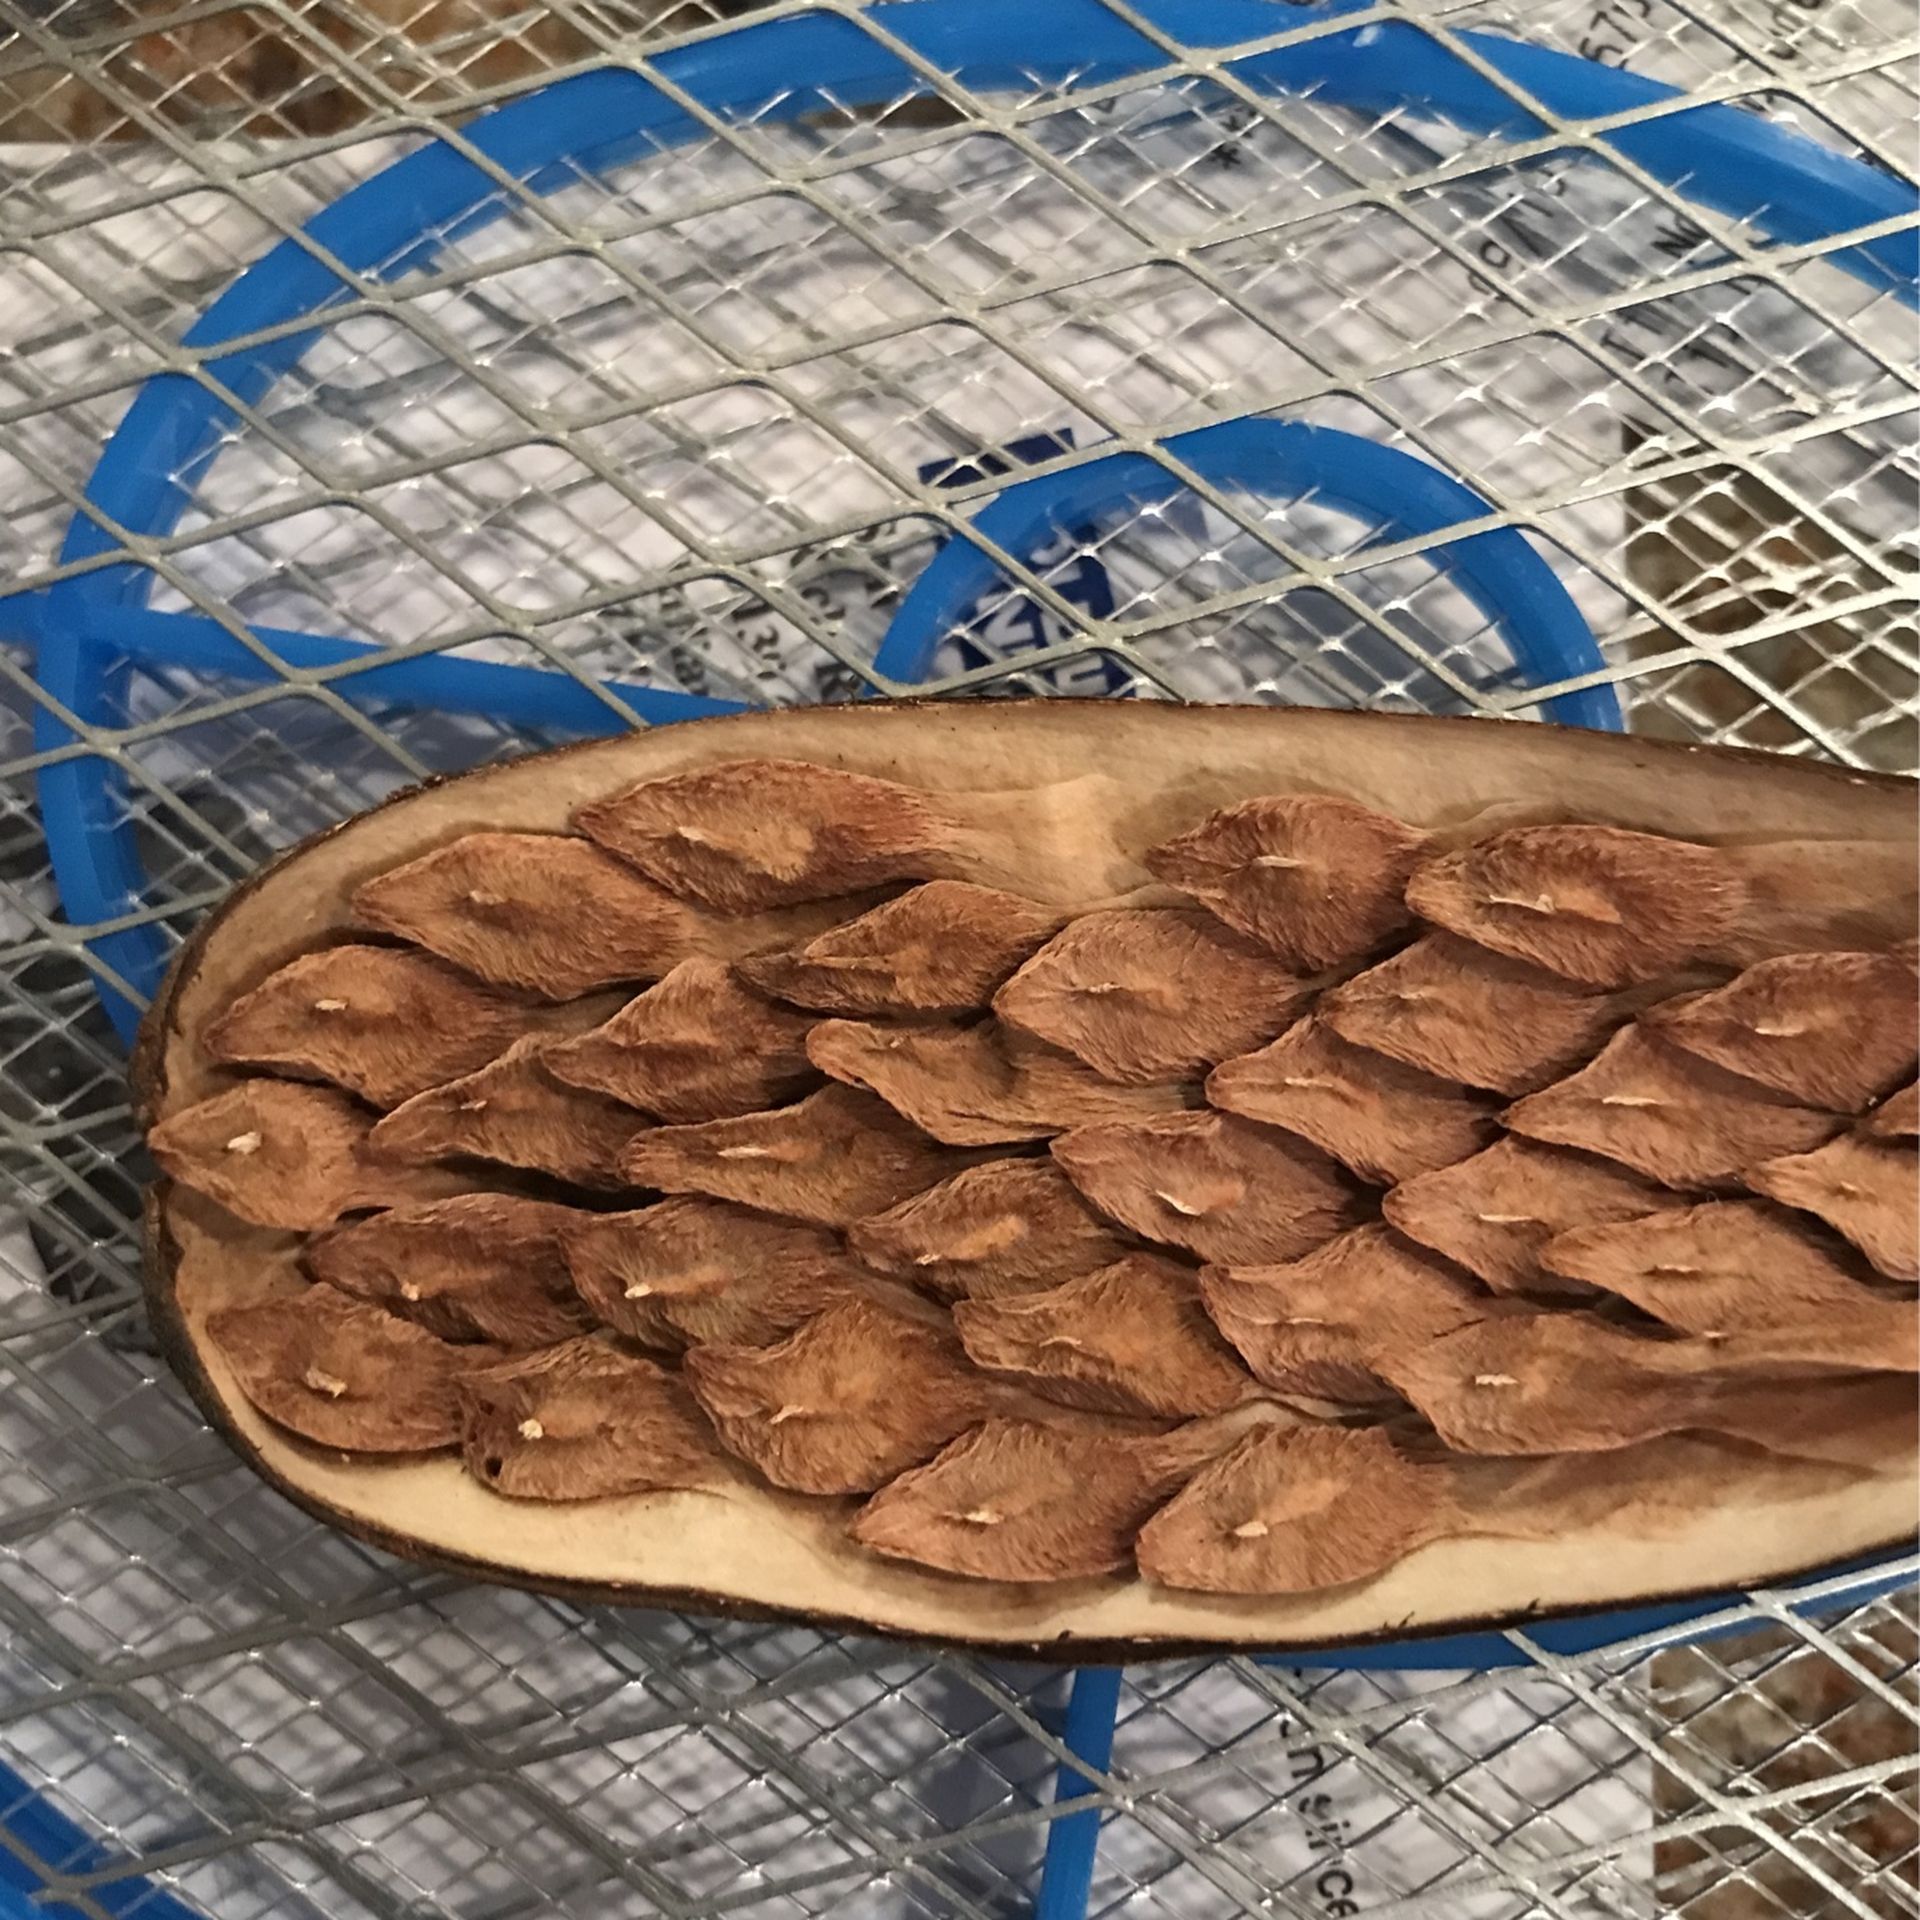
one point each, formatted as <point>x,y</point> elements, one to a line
<point>1828,1030</point>
<point>689,1272</point>
<point>514,1111</point>
<point>850,1399</point>
<point>1867,1189</point>
<point>830,1159</point>
<point>1307,1326</point>
<point>382,1022</point>
<point>1748,1277</point>
<point>1464,1013</point>
<point>1495,1213</point>
<point>1023,1501</point>
<point>1132,1338</point>
<point>1668,1115</point>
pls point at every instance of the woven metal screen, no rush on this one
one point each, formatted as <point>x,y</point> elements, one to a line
<point>694,420</point>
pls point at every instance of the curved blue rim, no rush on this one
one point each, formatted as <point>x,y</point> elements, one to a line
<point>1401,496</point>
<point>89,630</point>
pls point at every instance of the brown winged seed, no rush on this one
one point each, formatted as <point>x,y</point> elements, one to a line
<point>1542,1383</point>
<point>832,1159</point>
<point>545,912</point>
<point>1313,878</point>
<point>382,1022</point>
<point>1868,1190</point>
<point>688,1271</point>
<point>582,1421</point>
<point>1384,1120</point>
<point>1017,1500</point>
<point>1132,1338</point>
<point>343,1373</point>
<point>1233,1193</point>
<point>1151,994</point>
<point>1599,905</point>
<point>515,1112</point>
<point>1897,1117</point>
<point>1667,1115</point>
<point>1832,1030</point>
<point>1738,1272</point>
<point>480,1266</point>
<point>280,1154</point>
<point>698,1046</point>
<point>1306,1326</point>
<point>1006,1227</point>
<point>939,948</point>
<point>1461,1012</point>
<point>1296,1509</point>
<point>748,834</point>
<point>976,1086</point>
<point>852,1398</point>
<point>1494,1214</point>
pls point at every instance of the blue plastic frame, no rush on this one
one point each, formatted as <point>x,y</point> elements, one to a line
<point>89,630</point>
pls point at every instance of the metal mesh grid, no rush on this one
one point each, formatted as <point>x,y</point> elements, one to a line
<point>695,424</point>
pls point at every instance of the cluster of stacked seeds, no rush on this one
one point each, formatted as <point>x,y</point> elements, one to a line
<point>1342,1189</point>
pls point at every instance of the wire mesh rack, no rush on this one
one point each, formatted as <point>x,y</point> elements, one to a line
<point>681,418</point>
